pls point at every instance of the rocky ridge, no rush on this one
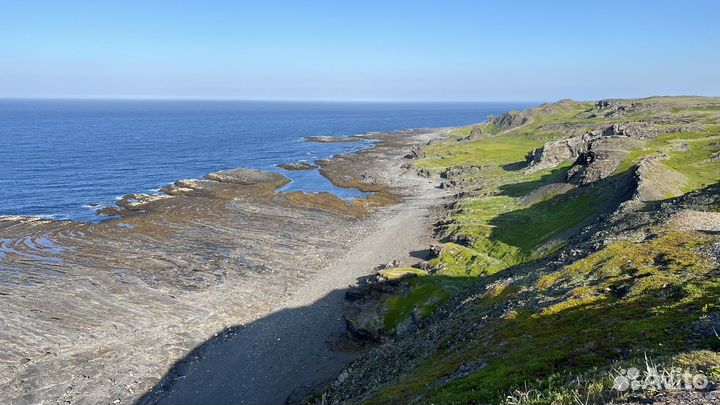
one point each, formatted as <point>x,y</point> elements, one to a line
<point>633,182</point>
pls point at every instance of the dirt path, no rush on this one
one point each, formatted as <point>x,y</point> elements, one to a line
<point>263,362</point>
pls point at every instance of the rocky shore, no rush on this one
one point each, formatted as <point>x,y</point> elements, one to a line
<point>581,240</point>
<point>524,260</point>
<point>297,166</point>
<point>99,313</point>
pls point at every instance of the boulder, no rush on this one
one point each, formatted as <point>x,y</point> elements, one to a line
<point>364,322</point>
<point>415,153</point>
<point>424,173</point>
<point>364,316</point>
<point>457,171</point>
<point>476,132</point>
<point>511,119</point>
<point>708,325</point>
<point>602,104</point>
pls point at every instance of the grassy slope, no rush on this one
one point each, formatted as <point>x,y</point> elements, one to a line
<point>505,230</point>
<point>665,283</point>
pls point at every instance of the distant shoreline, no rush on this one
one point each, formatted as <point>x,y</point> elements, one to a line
<point>104,151</point>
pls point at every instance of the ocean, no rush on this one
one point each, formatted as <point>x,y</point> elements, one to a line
<point>64,159</point>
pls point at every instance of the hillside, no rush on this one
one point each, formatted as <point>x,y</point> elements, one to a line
<point>582,238</point>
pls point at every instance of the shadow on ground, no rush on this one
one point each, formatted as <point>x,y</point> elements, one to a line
<point>263,362</point>
<point>425,254</point>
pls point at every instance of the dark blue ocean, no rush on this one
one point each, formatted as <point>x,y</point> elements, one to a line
<point>63,158</point>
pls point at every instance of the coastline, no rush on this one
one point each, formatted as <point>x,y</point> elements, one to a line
<point>116,303</point>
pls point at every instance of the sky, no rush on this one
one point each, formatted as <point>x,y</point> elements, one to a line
<point>359,50</point>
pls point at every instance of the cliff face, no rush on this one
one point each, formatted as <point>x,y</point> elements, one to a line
<point>583,238</point>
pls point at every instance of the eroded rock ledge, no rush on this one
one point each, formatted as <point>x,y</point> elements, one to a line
<point>96,313</point>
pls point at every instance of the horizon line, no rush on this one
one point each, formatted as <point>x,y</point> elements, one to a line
<point>242,99</point>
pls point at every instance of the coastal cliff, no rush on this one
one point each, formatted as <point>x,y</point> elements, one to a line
<point>581,240</point>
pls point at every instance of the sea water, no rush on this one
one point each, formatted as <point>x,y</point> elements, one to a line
<point>66,158</point>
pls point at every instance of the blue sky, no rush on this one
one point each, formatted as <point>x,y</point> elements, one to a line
<point>359,50</point>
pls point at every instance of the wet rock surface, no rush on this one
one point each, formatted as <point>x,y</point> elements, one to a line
<point>297,166</point>
<point>333,139</point>
<point>97,313</point>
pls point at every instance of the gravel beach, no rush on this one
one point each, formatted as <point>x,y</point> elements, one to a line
<point>221,272</point>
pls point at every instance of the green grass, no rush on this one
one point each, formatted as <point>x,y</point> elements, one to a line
<point>501,228</point>
<point>425,294</point>
<point>665,143</point>
<point>517,230</point>
<point>487,151</point>
<point>695,164</point>
<point>667,288</point>
<point>461,132</point>
<point>496,224</point>
<point>529,227</point>
<point>623,301</point>
<point>401,272</point>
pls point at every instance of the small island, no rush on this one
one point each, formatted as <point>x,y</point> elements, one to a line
<point>333,139</point>
<point>297,166</point>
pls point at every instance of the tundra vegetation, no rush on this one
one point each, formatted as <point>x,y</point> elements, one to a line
<point>582,237</point>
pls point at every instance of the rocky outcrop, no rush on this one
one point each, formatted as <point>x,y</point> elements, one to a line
<point>673,127</point>
<point>297,166</point>
<point>476,132</point>
<point>225,184</point>
<point>635,130</point>
<point>247,177</point>
<point>655,181</point>
<point>457,171</point>
<point>415,153</point>
<point>364,316</point>
<point>571,129</point>
<point>333,139</point>
<point>615,108</point>
<point>506,121</point>
<point>454,177</point>
<point>554,153</point>
<point>596,154</point>
<point>511,120</point>
<point>601,159</point>
<point>129,203</point>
